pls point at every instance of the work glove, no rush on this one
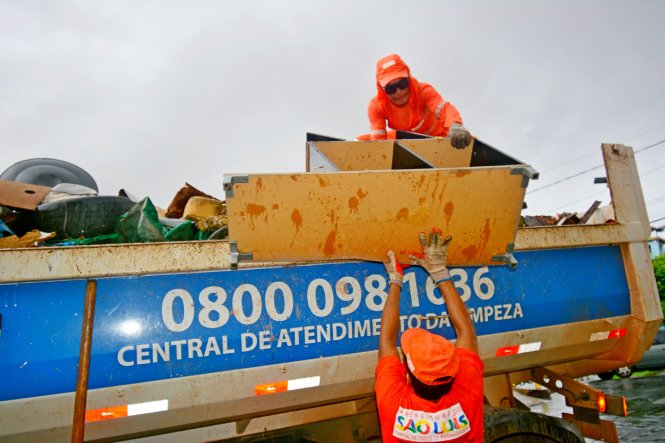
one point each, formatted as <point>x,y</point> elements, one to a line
<point>459,136</point>
<point>433,257</point>
<point>394,269</point>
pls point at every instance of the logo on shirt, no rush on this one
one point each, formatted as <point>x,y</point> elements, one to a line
<point>443,425</point>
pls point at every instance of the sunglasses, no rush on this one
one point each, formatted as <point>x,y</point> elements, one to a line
<point>403,83</point>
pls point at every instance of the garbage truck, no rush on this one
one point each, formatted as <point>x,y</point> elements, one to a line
<point>271,334</point>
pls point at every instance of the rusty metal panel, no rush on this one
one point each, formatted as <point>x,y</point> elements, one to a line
<point>378,155</point>
<point>359,155</point>
<point>361,215</point>
<point>34,264</point>
<point>440,153</point>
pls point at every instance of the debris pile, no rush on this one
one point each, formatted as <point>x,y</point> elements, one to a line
<point>45,210</point>
<point>595,215</point>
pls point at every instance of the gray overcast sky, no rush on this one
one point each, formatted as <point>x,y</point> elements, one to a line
<point>145,95</point>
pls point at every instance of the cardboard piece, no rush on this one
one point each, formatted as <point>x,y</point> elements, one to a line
<point>21,195</point>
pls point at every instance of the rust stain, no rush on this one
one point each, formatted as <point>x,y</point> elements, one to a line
<point>293,177</point>
<point>275,206</point>
<point>402,214</point>
<point>353,204</point>
<point>485,234</point>
<point>255,210</point>
<point>361,194</point>
<point>259,184</point>
<point>329,247</point>
<point>331,214</point>
<point>296,218</point>
<point>448,212</point>
<point>322,182</point>
<point>470,252</point>
<point>462,172</point>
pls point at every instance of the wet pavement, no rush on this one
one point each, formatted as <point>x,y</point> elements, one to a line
<point>646,406</point>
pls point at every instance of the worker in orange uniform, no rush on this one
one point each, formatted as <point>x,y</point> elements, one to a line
<point>436,395</point>
<point>409,105</point>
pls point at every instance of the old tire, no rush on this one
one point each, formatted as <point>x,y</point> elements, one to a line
<point>517,426</point>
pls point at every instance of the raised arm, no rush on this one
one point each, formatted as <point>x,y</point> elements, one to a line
<point>434,262</point>
<point>390,314</point>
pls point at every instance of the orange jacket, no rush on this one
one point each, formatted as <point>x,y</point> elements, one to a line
<point>426,112</point>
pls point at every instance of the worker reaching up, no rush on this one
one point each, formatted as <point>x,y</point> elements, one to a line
<point>436,395</point>
<point>409,105</point>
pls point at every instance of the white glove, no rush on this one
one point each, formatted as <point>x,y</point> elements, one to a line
<point>433,259</point>
<point>394,269</point>
<point>459,136</point>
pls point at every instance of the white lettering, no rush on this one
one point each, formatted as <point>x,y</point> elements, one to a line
<point>121,356</point>
<point>142,354</point>
<point>248,346</point>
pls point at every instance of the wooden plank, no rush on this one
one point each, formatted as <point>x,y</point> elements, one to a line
<point>21,195</point>
<point>361,215</point>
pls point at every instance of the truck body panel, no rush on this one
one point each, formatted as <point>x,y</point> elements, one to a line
<point>186,346</point>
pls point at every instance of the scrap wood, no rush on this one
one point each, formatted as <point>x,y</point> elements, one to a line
<point>177,206</point>
<point>29,239</point>
<point>587,215</point>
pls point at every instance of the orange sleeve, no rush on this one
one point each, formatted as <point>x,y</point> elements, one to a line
<point>443,110</point>
<point>390,375</point>
<point>377,120</point>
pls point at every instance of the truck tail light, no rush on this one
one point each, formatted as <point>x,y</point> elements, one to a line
<point>602,403</point>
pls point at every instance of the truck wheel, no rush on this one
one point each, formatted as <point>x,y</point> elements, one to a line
<point>517,426</point>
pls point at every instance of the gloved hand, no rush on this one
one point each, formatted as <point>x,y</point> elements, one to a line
<point>433,258</point>
<point>394,269</point>
<point>459,136</point>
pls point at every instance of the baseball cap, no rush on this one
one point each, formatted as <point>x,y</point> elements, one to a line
<point>389,68</point>
<point>430,357</point>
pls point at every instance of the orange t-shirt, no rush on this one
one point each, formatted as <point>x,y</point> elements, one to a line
<point>455,417</point>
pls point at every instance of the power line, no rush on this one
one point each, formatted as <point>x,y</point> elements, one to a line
<point>577,201</point>
<point>650,146</point>
<point>589,170</point>
<point>595,151</point>
<point>566,179</point>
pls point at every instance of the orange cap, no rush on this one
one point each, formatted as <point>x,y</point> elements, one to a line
<point>429,356</point>
<point>389,68</point>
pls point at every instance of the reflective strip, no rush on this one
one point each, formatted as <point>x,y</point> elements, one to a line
<point>518,349</point>
<point>429,131</point>
<point>378,132</point>
<point>419,125</point>
<point>437,111</point>
<point>287,385</point>
<point>605,335</point>
<point>126,410</point>
<point>388,64</point>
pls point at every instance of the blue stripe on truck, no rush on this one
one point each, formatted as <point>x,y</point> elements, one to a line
<point>157,327</point>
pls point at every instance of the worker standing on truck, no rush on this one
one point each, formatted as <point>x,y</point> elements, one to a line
<point>436,395</point>
<point>409,105</point>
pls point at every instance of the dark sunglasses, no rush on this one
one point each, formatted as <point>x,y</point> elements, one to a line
<point>402,84</point>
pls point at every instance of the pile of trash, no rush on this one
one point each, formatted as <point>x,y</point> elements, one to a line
<point>595,215</point>
<point>49,202</point>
